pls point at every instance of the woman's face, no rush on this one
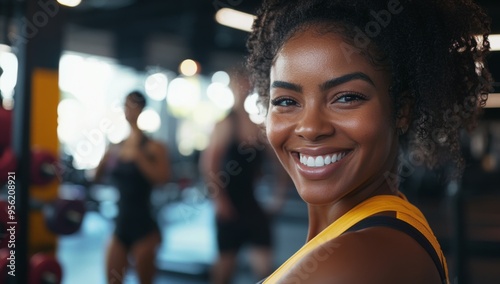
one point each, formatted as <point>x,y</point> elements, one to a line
<point>132,110</point>
<point>329,118</point>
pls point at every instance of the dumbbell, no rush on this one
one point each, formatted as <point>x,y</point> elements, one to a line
<point>4,265</point>
<point>4,223</point>
<point>43,268</point>
<point>62,217</point>
<point>8,163</point>
<point>44,167</point>
<point>43,164</point>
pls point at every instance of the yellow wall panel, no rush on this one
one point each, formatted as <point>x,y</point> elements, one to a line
<point>45,99</point>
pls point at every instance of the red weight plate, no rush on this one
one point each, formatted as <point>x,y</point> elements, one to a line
<point>8,163</point>
<point>44,268</point>
<point>4,223</point>
<point>4,265</point>
<point>64,217</point>
<point>5,128</point>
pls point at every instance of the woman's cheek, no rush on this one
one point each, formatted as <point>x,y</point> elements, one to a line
<point>277,129</point>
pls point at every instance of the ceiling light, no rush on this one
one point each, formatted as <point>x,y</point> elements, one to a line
<point>235,19</point>
<point>493,100</point>
<point>189,67</point>
<point>494,42</point>
<point>5,48</point>
<point>70,3</point>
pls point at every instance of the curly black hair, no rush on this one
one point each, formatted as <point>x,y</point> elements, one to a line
<point>435,51</point>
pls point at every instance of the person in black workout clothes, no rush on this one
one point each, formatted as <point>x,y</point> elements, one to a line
<point>136,165</point>
<point>237,150</point>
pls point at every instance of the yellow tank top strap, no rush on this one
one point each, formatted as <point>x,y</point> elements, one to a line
<point>405,212</point>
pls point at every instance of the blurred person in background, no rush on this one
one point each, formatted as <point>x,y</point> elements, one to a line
<point>231,166</point>
<point>136,166</point>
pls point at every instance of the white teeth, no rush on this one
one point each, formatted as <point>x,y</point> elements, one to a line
<point>328,160</point>
<point>320,161</point>
<point>334,157</point>
<point>310,162</point>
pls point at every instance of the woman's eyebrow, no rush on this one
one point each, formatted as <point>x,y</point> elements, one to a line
<point>346,78</point>
<point>287,85</point>
<point>326,85</point>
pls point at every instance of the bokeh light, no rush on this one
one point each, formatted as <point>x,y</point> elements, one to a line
<point>183,95</point>
<point>189,67</point>
<point>221,77</point>
<point>220,95</point>
<point>156,86</point>
<point>149,121</point>
<point>8,80</point>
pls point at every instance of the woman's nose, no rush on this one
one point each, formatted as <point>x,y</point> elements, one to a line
<point>314,124</point>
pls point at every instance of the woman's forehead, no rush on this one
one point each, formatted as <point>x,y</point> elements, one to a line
<point>307,52</point>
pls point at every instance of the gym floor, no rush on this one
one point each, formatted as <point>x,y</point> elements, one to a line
<point>185,256</point>
<point>188,248</point>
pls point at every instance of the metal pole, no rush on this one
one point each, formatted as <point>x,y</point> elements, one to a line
<point>21,145</point>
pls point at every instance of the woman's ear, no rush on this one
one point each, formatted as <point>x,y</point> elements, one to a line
<point>403,116</point>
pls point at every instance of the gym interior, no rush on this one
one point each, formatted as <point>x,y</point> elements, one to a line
<point>66,67</point>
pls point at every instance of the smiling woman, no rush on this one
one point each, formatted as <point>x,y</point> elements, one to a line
<point>348,86</point>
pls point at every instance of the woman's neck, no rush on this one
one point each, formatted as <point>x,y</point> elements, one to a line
<point>321,216</point>
<point>135,132</point>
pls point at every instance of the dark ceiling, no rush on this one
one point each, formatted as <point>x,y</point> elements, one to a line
<point>132,21</point>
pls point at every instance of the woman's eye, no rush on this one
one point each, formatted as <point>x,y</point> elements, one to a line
<point>350,98</point>
<point>283,102</point>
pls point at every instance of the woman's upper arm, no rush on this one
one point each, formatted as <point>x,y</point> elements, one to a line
<point>158,149</point>
<point>211,156</point>
<point>161,160</point>
<point>99,170</point>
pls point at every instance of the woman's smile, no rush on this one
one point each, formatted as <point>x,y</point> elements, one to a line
<point>319,164</point>
<point>321,161</point>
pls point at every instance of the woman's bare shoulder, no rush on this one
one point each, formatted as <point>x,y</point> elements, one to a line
<point>156,146</point>
<point>370,256</point>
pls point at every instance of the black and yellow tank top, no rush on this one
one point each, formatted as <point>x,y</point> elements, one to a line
<point>408,219</point>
